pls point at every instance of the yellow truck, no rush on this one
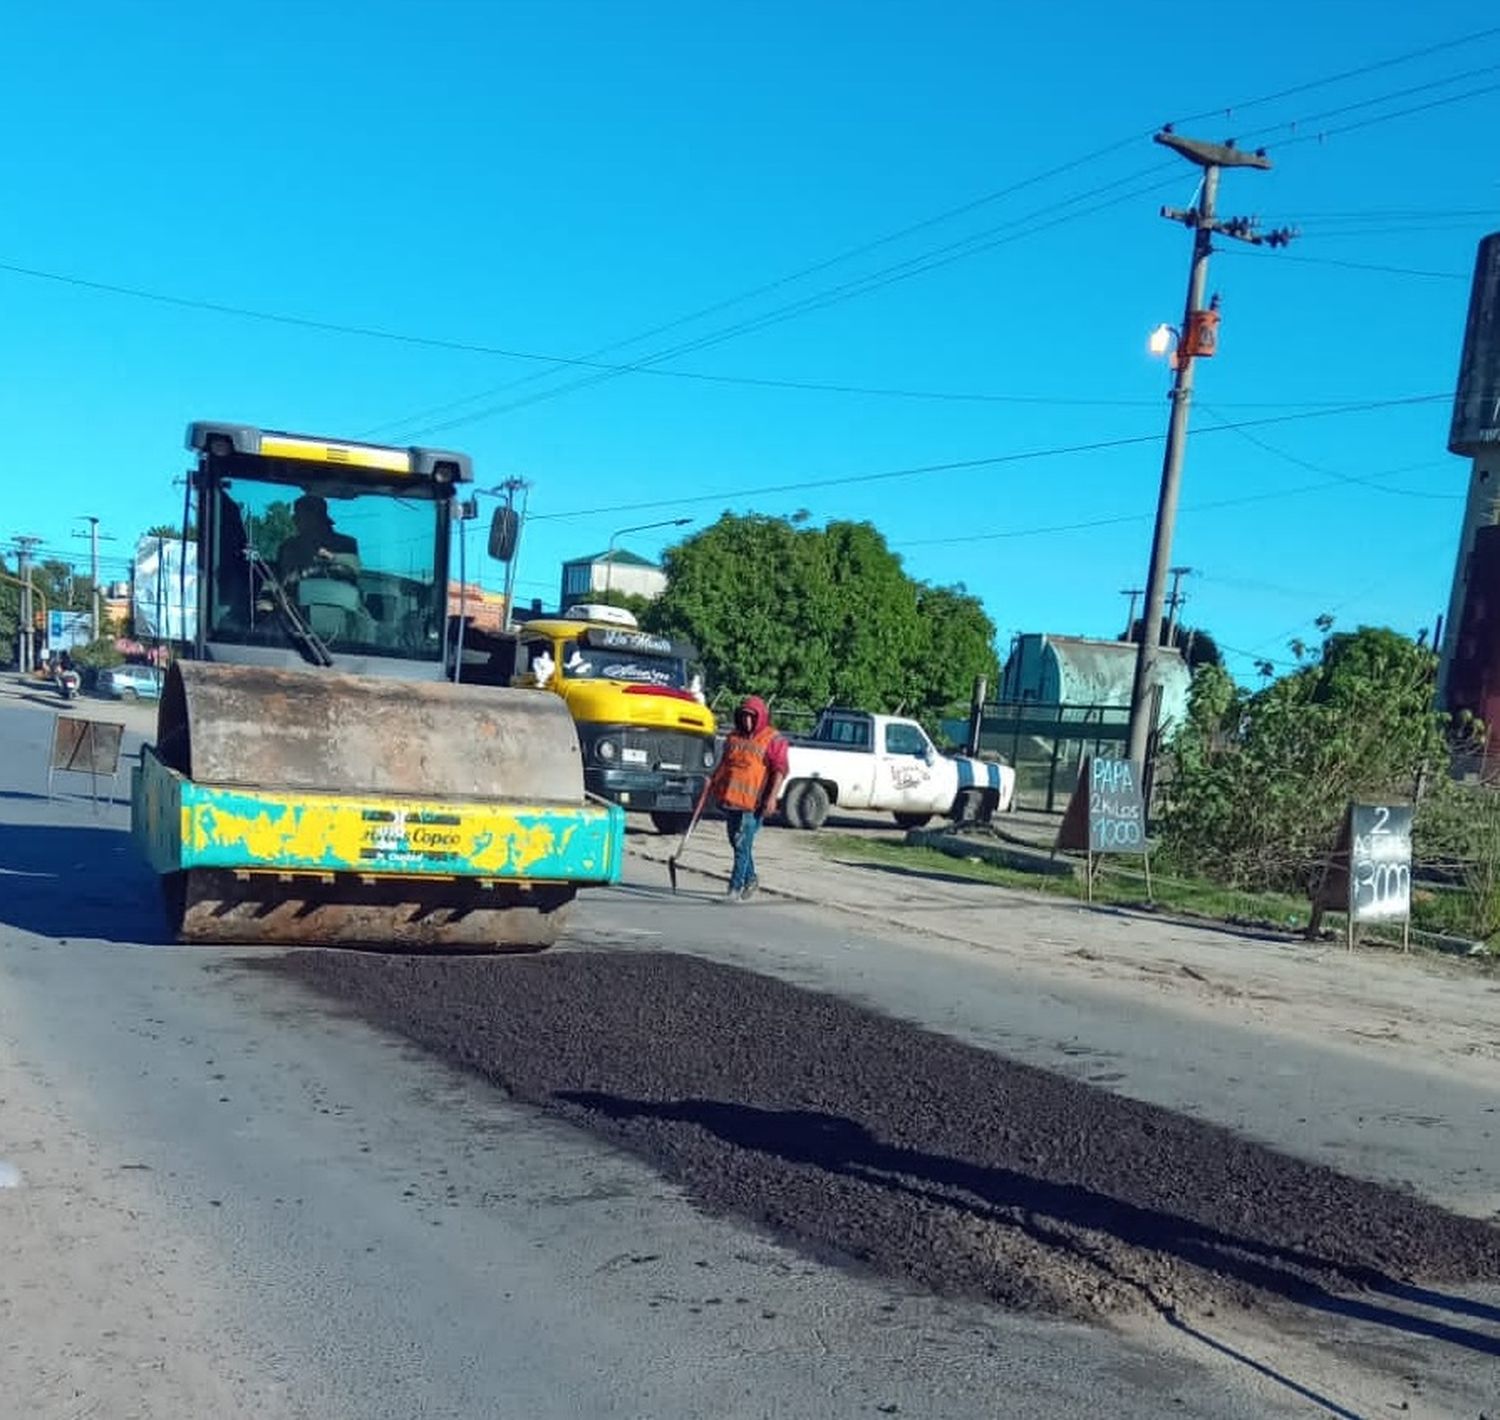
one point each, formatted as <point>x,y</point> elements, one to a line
<point>636,700</point>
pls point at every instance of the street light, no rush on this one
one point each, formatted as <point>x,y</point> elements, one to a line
<point>609,556</point>
<point>1161,339</point>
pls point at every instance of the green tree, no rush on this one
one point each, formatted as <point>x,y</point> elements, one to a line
<point>171,530</point>
<point>818,614</point>
<point>633,602</point>
<point>1260,779</point>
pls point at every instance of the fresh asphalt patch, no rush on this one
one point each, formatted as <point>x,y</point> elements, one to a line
<point>866,1138</point>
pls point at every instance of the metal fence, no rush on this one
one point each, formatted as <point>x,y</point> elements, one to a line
<point>1047,744</point>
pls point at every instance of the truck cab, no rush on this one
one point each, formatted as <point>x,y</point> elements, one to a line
<point>637,702</point>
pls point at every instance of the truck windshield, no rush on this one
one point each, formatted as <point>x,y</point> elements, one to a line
<point>590,663</point>
<point>359,565</point>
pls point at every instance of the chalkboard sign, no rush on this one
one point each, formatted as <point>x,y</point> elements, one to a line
<point>1107,813</point>
<point>1368,876</point>
<point>1380,862</point>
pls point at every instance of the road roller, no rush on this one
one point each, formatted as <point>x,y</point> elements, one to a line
<point>317,777</point>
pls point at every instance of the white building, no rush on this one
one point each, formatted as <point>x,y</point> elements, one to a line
<point>614,571</point>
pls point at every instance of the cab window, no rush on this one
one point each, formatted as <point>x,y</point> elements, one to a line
<point>905,739</point>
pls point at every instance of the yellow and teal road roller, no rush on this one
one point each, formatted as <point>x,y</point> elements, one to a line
<point>316,777</point>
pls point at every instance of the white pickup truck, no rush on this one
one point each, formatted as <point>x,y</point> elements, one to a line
<point>862,761</point>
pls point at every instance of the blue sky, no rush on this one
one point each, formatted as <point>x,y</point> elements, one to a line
<point>556,178</point>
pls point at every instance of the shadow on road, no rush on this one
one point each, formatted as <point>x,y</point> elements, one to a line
<point>77,881</point>
<point>1063,1217</point>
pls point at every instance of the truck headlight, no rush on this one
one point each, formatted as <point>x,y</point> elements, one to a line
<point>606,750</point>
<point>708,756</point>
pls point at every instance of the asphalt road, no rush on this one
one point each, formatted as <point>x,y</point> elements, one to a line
<point>230,1198</point>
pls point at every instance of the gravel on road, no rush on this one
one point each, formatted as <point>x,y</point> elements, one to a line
<point>864,1138</point>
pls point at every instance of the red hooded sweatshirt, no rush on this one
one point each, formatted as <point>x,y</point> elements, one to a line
<point>776,751</point>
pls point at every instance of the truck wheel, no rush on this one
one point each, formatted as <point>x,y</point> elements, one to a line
<point>967,807</point>
<point>671,823</point>
<point>913,820</point>
<point>812,806</point>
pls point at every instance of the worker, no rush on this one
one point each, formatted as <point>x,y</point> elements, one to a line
<point>746,785</point>
<point>315,548</point>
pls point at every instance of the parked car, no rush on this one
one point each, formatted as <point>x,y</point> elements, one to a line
<point>131,682</point>
<point>882,762</point>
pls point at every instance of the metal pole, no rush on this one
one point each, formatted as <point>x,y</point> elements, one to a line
<point>1174,602</point>
<point>511,485</point>
<point>1147,652</point>
<point>94,574</point>
<point>27,638</point>
<point>609,564</point>
<point>1134,593</point>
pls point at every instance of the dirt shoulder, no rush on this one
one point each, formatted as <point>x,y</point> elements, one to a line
<point>1423,1011</point>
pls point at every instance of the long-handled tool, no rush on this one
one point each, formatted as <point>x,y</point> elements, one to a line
<point>687,834</point>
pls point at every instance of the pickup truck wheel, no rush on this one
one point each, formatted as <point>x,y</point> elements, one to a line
<point>791,803</point>
<point>812,806</point>
<point>671,823</point>
<point>913,820</point>
<point>966,808</point>
<point>129,694</point>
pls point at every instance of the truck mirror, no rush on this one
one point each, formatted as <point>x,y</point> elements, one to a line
<point>505,530</point>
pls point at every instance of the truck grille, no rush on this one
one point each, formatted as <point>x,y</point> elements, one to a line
<point>667,749</point>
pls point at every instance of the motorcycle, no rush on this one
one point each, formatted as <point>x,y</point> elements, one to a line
<point>67,683</point>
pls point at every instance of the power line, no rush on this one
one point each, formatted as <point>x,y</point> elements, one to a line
<point>1387,97</point>
<point>702,376</point>
<point>1323,134</point>
<point>1297,461</point>
<point>987,461</point>
<point>912,266</point>
<point>1377,268</point>
<point>1406,57</point>
<point>765,288</point>
<point>919,265</point>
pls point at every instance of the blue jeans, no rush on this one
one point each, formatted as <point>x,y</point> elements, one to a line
<point>743,827</point>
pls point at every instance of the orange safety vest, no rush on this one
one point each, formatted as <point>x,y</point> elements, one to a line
<point>743,772</point>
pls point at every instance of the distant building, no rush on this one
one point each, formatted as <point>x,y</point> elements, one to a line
<point>482,609</point>
<point>614,571</point>
<point>1074,670</point>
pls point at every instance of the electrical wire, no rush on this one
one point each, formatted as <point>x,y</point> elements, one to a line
<point>1309,466</point>
<point>1377,268</point>
<point>900,271</point>
<point>960,210</point>
<point>1406,57</point>
<point>988,461</point>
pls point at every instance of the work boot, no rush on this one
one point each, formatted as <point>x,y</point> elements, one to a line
<point>748,891</point>
<point>733,897</point>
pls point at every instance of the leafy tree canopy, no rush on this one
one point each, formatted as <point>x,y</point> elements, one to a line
<point>814,615</point>
<point>1261,778</point>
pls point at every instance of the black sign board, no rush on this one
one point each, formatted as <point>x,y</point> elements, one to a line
<point>1476,403</point>
<point>1369,874</point>
<point>1107,814</point>
<point>613,638</point>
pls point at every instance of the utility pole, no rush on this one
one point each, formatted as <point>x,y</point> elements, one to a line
<point>28,630</point>
<point>94,538</point>
<point>512,486</point>
<point>1174,600</point>
<point>1134,593</point>
<point>1197,337</point>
